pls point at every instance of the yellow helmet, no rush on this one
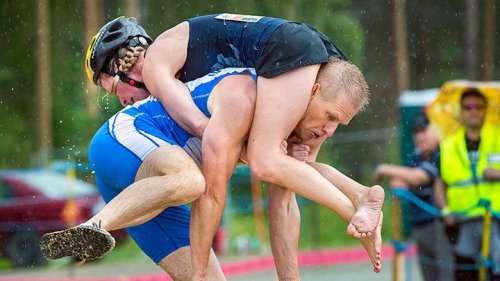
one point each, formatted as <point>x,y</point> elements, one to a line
<point>120,32</point>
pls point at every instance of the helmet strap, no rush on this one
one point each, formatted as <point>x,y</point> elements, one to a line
<point>132,82</point>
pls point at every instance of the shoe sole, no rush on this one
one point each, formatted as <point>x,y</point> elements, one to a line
<point>83,242</point>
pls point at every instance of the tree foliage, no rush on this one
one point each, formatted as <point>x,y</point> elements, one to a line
<point>362,29</point>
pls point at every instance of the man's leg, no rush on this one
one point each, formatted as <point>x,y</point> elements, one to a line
<point>424,236</point>
<point>464,271</point>
<point>444,251</point>
<point>180,182</point>
<point>178,265</point>
<point>284,229</point>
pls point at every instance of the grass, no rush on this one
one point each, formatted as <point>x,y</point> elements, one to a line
<point>320,228</point>
<point>5,264</point>
<point>126,251</point>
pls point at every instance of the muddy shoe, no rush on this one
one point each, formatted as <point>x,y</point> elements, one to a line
<point>83,242</point>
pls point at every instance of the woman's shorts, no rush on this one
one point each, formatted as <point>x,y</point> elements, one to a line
<point>294,45</point>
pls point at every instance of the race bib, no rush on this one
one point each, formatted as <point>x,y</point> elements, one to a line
<point>236,17</point>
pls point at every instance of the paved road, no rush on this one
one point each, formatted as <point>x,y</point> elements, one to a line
<point>350,272</point>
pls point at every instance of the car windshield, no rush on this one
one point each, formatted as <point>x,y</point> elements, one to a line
<point>55,185</point>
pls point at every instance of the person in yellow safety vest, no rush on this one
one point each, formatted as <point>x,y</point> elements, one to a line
<point>470,171</point>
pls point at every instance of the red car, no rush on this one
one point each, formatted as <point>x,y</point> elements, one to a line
<point>34,202</point>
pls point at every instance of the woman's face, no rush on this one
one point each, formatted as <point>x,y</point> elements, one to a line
<point>126,93</point>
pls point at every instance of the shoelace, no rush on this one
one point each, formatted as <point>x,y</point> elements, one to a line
<point>97,224</point>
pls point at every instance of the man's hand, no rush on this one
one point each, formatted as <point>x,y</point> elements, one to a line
<point>378,174</point>
<point>283,147</point>
<point>298,151</point>
<point>294,148</point>
<point>449,220</point>
<point>491,174</point>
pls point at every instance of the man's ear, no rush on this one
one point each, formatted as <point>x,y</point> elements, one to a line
<point>316,88</point>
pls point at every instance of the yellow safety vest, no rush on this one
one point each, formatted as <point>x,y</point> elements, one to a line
<point>463,191</point>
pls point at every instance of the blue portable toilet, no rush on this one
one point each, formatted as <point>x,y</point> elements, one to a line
<point>411,103</point>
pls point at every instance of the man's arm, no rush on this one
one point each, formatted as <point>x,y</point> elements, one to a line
<point>163,59</point>
<point>440,193</point>
<point>221,148</point>
<point>442,202</point>
<point>413,176</point>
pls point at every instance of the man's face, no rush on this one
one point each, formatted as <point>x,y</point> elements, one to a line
<point>473,112</point>
<point>323,117</point>
<point>426,140</point>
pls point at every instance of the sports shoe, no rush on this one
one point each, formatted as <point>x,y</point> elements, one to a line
<point>83,242</point>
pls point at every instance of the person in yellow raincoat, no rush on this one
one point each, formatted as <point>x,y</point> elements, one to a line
<point>470,172</point>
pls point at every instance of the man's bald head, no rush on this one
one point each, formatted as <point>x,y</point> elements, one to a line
<point>339,77</point>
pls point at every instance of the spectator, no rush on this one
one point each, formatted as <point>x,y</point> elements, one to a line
<point>428,232</point>
<point>470,162</point>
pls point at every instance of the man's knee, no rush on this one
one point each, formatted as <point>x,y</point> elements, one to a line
<point>184,177</point>
<point>167,160</point>
<point>189,184</point>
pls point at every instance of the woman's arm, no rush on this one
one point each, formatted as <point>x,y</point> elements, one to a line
<point>163,59</point>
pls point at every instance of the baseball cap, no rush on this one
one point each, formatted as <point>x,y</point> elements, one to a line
<point>419,122</point>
